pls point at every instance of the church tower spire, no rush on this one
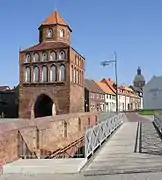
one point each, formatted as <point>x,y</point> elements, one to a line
<point>139,71</point>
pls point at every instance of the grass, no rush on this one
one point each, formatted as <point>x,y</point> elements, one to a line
<point>150,112</point>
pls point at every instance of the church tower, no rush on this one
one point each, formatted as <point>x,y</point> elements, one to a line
<point>139,80</point>
<point>51,73</point>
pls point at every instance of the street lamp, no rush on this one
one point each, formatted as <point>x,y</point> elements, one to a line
<point>106,63</point>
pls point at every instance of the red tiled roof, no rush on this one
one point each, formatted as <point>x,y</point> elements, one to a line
<point>46,45</point>
<point>55,18</point>
<point>105,88</point>
<point>92,86</point>
<point>109,83</point>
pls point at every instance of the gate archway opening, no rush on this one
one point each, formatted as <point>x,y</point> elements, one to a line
<point>43,106</point>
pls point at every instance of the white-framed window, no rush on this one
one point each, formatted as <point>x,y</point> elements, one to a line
<point>53,73</point>
<point>49,33</point>
<point>36,57</point>
<point>62,33</point>
<point>74,75</point>
<point>27,58</point>
<point>77,76</point>
<point>44,74</point>
<point>62,55</point>
<point>27,74</point>
<point>36,74</point>
<point>52,56</point>
<point>62,73</point>
<point>44,56</point>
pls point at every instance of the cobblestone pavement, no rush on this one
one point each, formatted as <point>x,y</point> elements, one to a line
<point>136,176</point>
<point>151,142</point>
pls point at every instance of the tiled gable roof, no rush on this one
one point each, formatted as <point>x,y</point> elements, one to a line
<point>110,83</point>
<point>92,86</point>
<point>105,88</point>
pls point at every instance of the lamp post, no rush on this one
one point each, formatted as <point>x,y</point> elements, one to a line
<point>106,63</point>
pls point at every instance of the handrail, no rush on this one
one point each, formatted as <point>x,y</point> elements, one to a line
<point>61,150</point>
<point>158,121</point>
<point>96,135</point>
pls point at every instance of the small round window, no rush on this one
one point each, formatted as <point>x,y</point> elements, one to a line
<point>49,33</point>
<point>36,57</point>
<point>27,58</point>
<point>44,57</point>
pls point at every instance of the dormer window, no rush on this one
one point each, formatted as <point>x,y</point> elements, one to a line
<point>44,56</point>
<point>49,33</point>
<point>62,33</point>
<point>28,58</point>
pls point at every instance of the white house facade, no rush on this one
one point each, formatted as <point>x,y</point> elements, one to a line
<point>110,97</point>
<point>121,102</point>
<point>110,103</point>
<point>152,94</point>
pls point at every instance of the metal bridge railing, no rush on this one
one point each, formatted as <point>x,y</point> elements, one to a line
<point>96,135</point>
<point>158,121</point>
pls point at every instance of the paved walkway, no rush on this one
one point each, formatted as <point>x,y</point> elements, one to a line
<point>136,176</point>
<point>44,166</point>
<point>117,155</point>
<point>116,160</point>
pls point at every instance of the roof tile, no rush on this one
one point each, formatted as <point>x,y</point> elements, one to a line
<point>105,88</point>
<point>92,86</point>
<point>55,18</point>
<point>46,45</point>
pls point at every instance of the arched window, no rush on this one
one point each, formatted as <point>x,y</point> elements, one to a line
<point>53,74</point>
<point>62,55</point>
<point>82,78</point>
<point>62,33</point>
<point>53,56</point>
<point>44,56</point>
<point>36,57</point>
<point>36,74</point>
<point>77,76</point>
<point>49,33</point>
<point>27,74</point>
<point>27,58</point>
<point>62,73</point>
<point>74,75</point>
<point>44,74</point>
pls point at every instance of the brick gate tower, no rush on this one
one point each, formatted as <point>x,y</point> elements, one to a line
<point>51,73</point>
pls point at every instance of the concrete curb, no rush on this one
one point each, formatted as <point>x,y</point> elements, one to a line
<point>123,171</point>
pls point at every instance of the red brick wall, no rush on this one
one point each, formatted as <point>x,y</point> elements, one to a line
<point>29,95</point>
<point>52,130</point>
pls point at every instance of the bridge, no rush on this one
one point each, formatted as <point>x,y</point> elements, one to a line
<point>121,143</point>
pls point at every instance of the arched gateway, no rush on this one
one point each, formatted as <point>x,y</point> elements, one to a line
<point>44,106</point>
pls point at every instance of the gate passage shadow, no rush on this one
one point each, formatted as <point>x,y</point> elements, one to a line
<point>150,140</point>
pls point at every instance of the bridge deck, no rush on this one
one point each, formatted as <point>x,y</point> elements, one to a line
<point>117,155</point>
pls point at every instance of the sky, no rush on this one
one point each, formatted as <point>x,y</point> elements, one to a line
<point>131,28</point>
